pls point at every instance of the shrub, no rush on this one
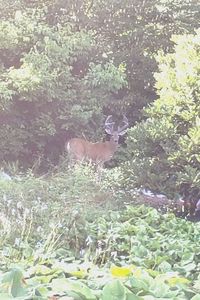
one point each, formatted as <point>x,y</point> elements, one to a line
<point>33,208</point>
<point>164,149</point>
<point>52,86</point>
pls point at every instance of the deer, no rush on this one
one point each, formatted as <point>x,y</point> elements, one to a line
<point>82,150</point>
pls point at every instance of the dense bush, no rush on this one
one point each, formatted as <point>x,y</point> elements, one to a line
<point>66,64</point>
<point>51,87</point>
<point>32,208</point>
<point>164,149</point>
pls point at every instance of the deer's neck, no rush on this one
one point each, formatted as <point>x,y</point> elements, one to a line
<point>113,145</point>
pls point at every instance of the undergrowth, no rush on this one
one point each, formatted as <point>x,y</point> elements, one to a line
<point>69,236</point>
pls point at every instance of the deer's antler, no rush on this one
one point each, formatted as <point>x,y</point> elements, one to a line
<point>125,126</point>
<point>109,124</point>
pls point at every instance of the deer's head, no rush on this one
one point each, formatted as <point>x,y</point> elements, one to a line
<point>115,133</point>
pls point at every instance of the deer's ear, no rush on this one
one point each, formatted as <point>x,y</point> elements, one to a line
<point>122,132</point>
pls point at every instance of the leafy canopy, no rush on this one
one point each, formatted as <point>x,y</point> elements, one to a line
<point>164,149</point>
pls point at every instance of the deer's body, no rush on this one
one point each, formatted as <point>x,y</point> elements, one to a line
<point>100,152</point>
<point>83,150</point>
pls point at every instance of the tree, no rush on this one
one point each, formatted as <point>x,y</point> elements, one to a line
<point>164,149</point>
<point>130,33</point>
<point>51,85</point>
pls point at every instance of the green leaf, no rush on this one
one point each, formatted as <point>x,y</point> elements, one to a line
<point>148,297</point>
<point>114,290</point>
<point>64,285</point>
<point>12,281</point>
<point>164,267</point>
<point>4,296</point>
<point>139,284</point>
<point>159,289</point>
<point>189,267</point>
<point>196,297</point>
<point>197,284</point>
<point>133,297</point>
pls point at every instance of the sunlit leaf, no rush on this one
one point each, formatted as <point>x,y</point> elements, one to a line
<point>177,280</point>
<point>120,271</point>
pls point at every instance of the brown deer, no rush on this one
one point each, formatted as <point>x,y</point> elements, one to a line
<point>100,152</point>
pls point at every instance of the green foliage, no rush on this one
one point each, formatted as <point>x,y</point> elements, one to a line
<point>143,237</point>
<point>131,32</point>
<point>34,208</point>
<point>164,149</point>
<point>47,90</point>
<point>148,256</point>
<point>65,64</point>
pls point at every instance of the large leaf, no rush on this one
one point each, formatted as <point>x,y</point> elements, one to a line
<point>114,290</point>
<point>66,285</point>
<point>12,282</point>
<point>4,296</point>
<point>139,284</point>
<point>159,289</point>
<point>131,296</point>
<point>196,297</point>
